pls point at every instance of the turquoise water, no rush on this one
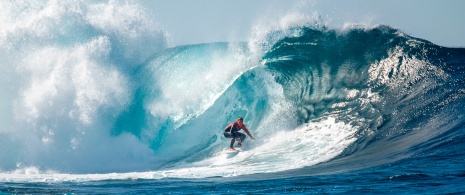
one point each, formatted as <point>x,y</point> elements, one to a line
<point>96,104</point>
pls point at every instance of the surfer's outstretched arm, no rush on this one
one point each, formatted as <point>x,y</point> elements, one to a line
<point>248,133</point>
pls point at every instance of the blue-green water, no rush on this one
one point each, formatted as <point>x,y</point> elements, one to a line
<point>95,104</point>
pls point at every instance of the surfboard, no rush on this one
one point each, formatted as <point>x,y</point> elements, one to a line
<point>232,152</point>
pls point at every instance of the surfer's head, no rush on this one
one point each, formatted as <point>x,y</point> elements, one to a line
<point>240,120</point>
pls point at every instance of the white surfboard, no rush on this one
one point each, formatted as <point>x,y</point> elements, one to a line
<point>232,152</point>
<point>229,154</point>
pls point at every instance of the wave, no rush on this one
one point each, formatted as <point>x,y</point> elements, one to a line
<point>396,91</point>
<point>80,105</point>
<point>65,76</point>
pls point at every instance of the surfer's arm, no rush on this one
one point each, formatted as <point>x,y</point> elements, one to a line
<point>248,133</point>
<point>228,128</point>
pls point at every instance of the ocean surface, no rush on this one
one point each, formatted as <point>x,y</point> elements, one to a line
<point>95,99</point>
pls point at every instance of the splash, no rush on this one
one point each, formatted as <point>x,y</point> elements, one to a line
<point>65,77</point>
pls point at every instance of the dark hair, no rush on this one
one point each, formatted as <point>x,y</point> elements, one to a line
<point>240,118</point>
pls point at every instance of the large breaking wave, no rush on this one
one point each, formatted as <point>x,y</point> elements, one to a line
<point>114,97</point>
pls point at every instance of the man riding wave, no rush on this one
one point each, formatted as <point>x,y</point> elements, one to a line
<point>231,131</point>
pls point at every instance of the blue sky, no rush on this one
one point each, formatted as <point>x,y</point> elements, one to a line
<point>200,21</point>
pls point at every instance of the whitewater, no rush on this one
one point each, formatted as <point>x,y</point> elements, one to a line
<point>95,98</point>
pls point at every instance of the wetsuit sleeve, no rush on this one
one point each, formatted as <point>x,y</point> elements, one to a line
<point>227,127</point>
<point>247,131</point>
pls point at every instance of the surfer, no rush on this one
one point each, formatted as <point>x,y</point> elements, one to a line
<point>231,131</point>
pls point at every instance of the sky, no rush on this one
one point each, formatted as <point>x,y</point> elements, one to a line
<point>201,21</point>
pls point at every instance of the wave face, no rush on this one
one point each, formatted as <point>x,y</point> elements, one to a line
<point>114,97</point>
<point>397,92</point>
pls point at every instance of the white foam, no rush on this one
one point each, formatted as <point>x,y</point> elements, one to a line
<point>63,71</point>
<point>267,32</point>
<point>305,146</point>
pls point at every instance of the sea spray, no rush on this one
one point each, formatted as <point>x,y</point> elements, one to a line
<point>66,69</point>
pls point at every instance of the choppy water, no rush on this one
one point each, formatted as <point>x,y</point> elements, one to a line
<point>94,103</point>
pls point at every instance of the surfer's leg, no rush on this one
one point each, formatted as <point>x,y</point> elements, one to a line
<point>234,136</point>
<point>227,135</point>
<point>232,143</point>
<point>240,138</point>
